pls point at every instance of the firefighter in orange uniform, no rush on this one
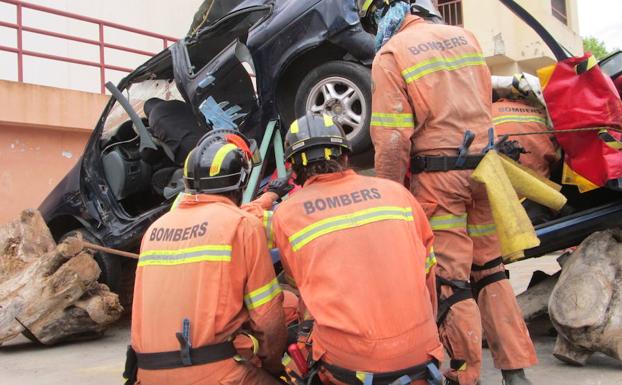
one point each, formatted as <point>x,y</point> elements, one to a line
<point>204,274</point>
<point>359,249</point>
<point>431,108</point>
<point>515,116</point>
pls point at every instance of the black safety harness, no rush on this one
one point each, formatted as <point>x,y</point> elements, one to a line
<point>489,279</point>
<point>426,371</point>
<point>184,357</point>
<point>463,290</point>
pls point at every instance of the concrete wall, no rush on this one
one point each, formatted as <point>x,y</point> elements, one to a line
<point>43,131</point>
<point>509,44</point>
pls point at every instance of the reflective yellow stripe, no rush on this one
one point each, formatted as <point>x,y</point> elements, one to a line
<point>263,295</point>
<point>267,224</point>
<point>186,164</point>
<point>365,377</point>
<point>294,127</point>
<point>206,253</point>
<point>366,5</point>
<point>518,119</point>
<point>220,157</point>
<point>328,121</point>
<point>427,67</point>
<point>609,140</point>
<point>177,201</point>
<point>327,153</point>
<point>286,360</point>
<point>448,222</point>
<point>430,261</point>
<point>481,230</point>
<point>347,221</point>
<point>392,120</point>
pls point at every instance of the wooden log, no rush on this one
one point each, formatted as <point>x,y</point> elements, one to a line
<point>586,304</point>
<point>53,296</point>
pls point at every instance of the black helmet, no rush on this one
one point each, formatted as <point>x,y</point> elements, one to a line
<point>424,8</point>
<point>221,162</point>
<point>314,137</point>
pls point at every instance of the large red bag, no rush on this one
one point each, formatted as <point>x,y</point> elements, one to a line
<point>579,95</point>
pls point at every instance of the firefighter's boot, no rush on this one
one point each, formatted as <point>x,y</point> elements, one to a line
<point>515,377</point>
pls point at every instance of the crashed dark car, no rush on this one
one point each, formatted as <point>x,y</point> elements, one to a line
<point>261,63</point>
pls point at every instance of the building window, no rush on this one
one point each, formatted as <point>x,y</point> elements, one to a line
<point>451,11</point>
<point>559,10</point>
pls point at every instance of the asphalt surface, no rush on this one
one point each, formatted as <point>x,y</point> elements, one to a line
<point>101,362</point>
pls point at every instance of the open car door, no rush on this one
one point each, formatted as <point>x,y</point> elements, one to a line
<point>215,73</point>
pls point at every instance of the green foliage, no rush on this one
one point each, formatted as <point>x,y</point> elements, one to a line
<point>595,46</point>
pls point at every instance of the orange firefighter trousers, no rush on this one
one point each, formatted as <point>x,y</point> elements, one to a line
<point>465,235</point>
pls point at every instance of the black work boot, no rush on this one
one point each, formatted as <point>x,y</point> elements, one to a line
<point>449,381</point>
<point>515,377</point>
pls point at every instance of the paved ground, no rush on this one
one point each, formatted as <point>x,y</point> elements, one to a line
<point>101,362</point>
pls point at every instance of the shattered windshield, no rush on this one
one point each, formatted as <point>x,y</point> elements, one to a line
<point>137,94</point>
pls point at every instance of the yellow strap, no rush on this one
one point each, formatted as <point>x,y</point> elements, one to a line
<point>220,157</point>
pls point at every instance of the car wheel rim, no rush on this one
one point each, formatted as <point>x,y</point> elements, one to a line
<point>341,99</point>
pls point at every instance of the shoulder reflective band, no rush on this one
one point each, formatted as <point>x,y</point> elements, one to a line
<point>430,261</point>
<point>267,224</point>
<point>263,295</point>
<point>392,120</point>
<point>482,230</point>
<point>448,222</point>
<point>609,140</point>
<point>206,253</point>
<point>518,119</point>
<point>177,201</point>
<point>430,66</point>
<point>347,221</point>
<point>220,157</point>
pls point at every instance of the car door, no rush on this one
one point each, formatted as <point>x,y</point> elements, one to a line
<point>214,68</point>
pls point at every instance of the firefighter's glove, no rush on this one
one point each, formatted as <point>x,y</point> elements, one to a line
<point>511,148</point>
<point>280,186</point>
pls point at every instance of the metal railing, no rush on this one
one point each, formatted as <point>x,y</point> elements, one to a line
<point>20,51</point>
<point>451,11</point>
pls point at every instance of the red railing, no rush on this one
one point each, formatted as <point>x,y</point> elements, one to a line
<point>451,11</point>
<point>100,42</point>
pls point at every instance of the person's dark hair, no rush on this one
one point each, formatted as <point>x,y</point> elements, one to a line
<point>303,173</point>
<point>236,196</point>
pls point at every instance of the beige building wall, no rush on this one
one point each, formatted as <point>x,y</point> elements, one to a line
<point>43,131</point>
<point>512,46</point>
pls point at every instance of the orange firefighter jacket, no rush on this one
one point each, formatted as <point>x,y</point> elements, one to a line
<point>207,261</point>
<point>360,251</point>
<point>430,85</point>
<point>514,116</point>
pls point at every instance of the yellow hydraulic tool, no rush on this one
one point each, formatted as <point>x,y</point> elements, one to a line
<point>505,181</point>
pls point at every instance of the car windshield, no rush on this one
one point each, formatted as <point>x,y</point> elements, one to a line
<point>137,94</point>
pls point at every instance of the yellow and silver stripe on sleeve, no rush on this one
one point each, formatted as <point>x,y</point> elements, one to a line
<point>380,119</point>
<point>448,222</point>
<point>263,295</point>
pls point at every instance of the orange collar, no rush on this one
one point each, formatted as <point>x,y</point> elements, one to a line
<point>329,177</point>
<point>190,200</point>
<point>410,20</point>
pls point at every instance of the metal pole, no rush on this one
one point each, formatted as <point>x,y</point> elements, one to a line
<point>279,155</point>
<point>20,56</point>
<point>102,61</point>
<point>256,173</point>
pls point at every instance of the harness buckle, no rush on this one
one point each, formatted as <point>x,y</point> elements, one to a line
<point>184,343</point>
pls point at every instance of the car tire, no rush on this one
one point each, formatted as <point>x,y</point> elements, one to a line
<point>110,265</point>
<point>341,89</point>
